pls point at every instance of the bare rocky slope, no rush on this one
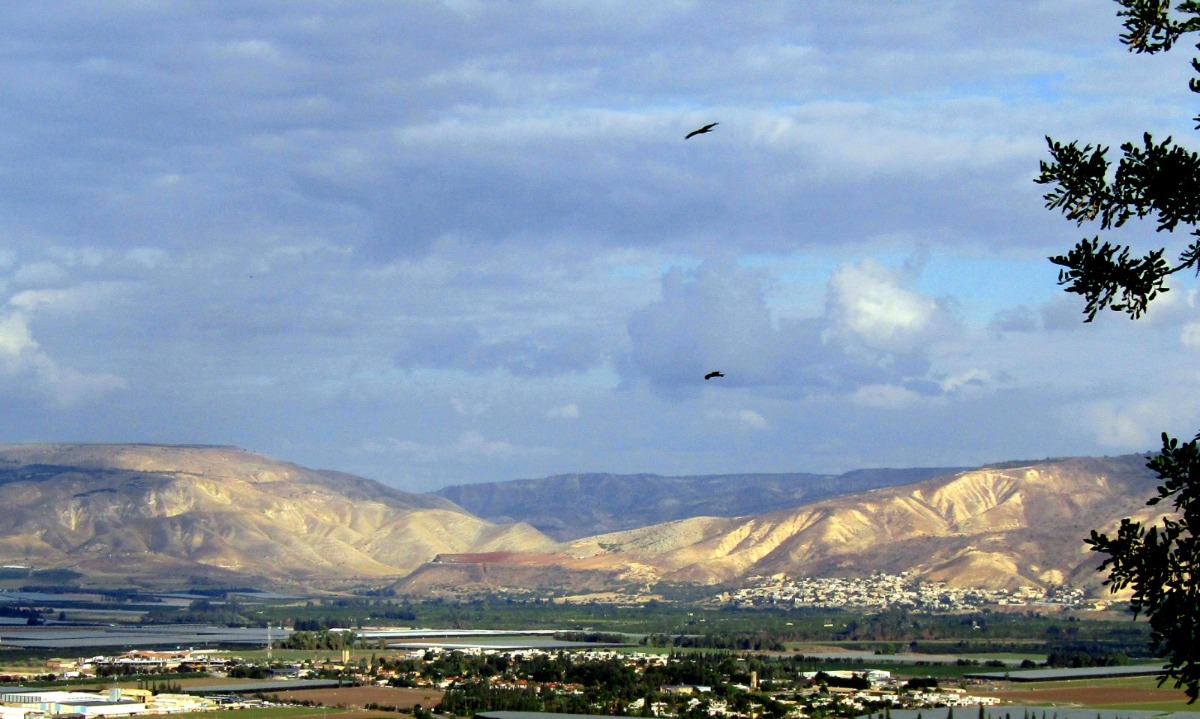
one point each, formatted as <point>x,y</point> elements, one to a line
<point>161,515</point>
<point>572,506</point>
<point>1003,526</point>
<point>172,516</point>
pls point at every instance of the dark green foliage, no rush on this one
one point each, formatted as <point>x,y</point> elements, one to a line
<point>1160,180</point>
<point>202,611</point>
<point>1083,659</point>
<point>1160,562</point>
<point>320,623</point>
<point>857,681</point>
<point>160,687</point>
<point>67,579</point>
<point>758,641</point>
<point>320,639</point>
<point>247,671</point>
<point>593,637</point>
<point>1156,180</point>
<point>31,614</point>
<point>1149,26</point>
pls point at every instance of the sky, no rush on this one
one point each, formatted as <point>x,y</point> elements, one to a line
<point>437,243</point>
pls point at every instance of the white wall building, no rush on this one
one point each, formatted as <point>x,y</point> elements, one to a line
<point>67,702</point>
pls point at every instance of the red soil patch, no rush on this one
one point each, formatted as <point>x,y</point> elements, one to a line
<point>1093,696</point>
<point>359,697</point>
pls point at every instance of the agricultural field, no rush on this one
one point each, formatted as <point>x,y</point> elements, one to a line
<point>1124,693</point>
<point>360,697</point>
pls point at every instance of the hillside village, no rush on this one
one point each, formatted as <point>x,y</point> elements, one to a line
<point>889,591</point>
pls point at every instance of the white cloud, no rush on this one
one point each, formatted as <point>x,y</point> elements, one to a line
<point>885,396</point>
<point>474,443</point>
<point>567,411</point>
<point>867,303</point>
<point>469,446</point>
<point>966,379</point>
<point>1189,335</point>
<point>148,257</point>
<point>462,231</point>
<point>24,361</point>
<point>874,329</point>
<point>743,418</point>
<point>1136,426</point>
<point>256,50</point>
<point>467,408</point>
<point>70,387</point>
<point>82,298</point>
<point>36,274</point>
<point>15,338</point>
<point>713,318</point>
<point>752,419</point>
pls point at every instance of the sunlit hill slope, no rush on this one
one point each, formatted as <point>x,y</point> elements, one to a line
<point>176,516</point>
<point>1001,526</point>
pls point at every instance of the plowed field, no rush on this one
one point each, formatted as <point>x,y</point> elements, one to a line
<point>358,697</point>
<point>1119,693</point>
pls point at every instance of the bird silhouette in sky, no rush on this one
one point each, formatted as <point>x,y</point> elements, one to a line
<point>710,375</point>
<point>701,131</point>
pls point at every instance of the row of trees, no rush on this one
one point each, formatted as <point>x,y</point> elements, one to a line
<point>760,641</point>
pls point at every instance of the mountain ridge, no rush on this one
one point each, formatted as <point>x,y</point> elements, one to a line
<point>570,506</point>
<point>216,512</point>
<point>169,515</point>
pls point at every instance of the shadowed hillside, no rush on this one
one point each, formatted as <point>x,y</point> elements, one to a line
<point>571,506</point>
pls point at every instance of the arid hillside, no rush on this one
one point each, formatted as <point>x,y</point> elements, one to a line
<point>163,515</point>
<point>571,506</point>
<point>1002,526</point>
<point>178,516</point>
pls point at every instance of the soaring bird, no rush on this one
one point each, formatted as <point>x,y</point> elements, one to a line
<point>701,131</point>
<point>710,375</point>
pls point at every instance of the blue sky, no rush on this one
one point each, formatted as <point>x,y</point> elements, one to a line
<point>448,242</point>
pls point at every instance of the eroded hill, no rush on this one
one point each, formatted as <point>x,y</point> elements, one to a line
<point>160,515</point>
<point>169,516</point>
<point>998,527</point>
<point>571,506</point>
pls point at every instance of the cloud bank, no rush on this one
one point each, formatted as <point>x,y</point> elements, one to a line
<point>444,242</point>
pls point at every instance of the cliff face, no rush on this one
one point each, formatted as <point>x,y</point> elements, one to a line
<point>156,514</point>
